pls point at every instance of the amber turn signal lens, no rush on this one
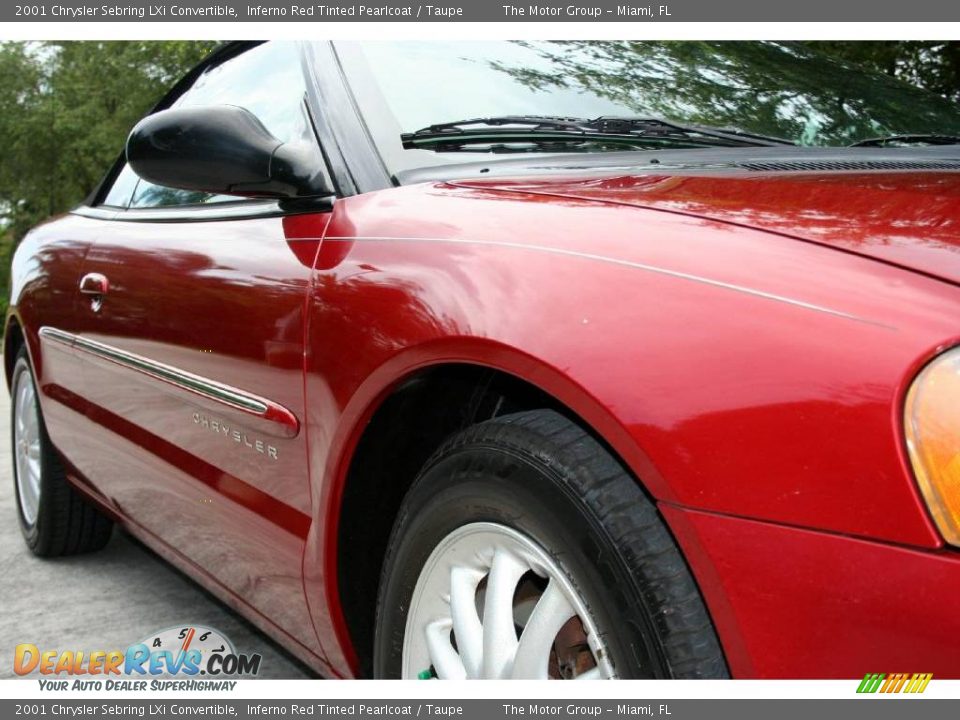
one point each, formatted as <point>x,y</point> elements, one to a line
<point>932,423</point>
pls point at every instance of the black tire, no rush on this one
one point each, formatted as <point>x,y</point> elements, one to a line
<point>65,524</point>
<point>542,475</point>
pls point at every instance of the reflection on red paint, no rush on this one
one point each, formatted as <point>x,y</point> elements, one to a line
<point>706,327</point>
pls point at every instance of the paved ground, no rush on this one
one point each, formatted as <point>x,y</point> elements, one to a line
<point>106,600</point>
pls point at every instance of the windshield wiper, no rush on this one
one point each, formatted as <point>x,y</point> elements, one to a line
<point>896,140</point>
<point>543,131</point>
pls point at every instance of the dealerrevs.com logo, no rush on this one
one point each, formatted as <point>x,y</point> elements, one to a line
<point>895,682</point>
<point>155,663</point>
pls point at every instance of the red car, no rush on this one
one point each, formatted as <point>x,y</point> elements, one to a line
<point>572,360</point>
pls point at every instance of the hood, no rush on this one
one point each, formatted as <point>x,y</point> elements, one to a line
<point>911,219</point>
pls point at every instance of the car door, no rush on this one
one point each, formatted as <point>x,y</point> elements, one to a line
<point>192,346</point>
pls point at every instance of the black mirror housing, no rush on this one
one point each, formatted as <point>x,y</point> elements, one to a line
<point>223,150</point>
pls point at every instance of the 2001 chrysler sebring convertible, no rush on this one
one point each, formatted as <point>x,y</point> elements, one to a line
<point>568,360</point>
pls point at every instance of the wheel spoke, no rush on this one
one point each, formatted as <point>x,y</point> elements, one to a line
<point>33,467</point>
<point>533,653</point>
<point>466,623</point>
<point>461,632</point>
<point>499,632</point>
<point>445,660</point>
<point>27,449</point>
<point>34,480</point>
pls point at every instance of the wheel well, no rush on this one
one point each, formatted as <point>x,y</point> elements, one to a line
<point>402,435</point>
<point>12,342</point>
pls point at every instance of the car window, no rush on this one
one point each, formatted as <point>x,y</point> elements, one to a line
<point>122,189</point>
<point>266,80</point>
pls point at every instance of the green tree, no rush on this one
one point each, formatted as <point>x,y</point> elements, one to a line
<point>65,110</point>
<point>932,65</point>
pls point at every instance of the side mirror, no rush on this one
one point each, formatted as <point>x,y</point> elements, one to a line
<point>224,150</point>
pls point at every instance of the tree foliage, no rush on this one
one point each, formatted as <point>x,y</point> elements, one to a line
<point>65,109</point>
<point>934,66</point>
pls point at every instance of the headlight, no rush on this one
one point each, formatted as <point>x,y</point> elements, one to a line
<point>932,423</point>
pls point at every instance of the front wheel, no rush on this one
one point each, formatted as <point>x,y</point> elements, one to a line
<point>524,550</point>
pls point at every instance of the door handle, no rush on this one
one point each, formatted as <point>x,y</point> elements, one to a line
<point>94,284</point>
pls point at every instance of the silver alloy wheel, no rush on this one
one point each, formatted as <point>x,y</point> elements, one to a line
<point>491,603</point>
<point>26,440</point>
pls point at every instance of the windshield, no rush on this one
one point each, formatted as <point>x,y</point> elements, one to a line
<point>784,90</point>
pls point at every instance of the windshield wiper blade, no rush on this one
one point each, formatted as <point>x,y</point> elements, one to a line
<point>545,122</point>
<point>547,141</point>
<point>623,130</point>
<point>551,144</point>
<point>917,139</point>
<point>654,126</point>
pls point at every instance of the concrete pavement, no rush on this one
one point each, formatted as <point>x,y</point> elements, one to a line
<point>106,600</point>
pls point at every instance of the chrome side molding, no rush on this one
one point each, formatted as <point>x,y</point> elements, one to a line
<point>206,388</point>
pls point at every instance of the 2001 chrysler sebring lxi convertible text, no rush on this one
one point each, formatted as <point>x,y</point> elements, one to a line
<point>570,360</point>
